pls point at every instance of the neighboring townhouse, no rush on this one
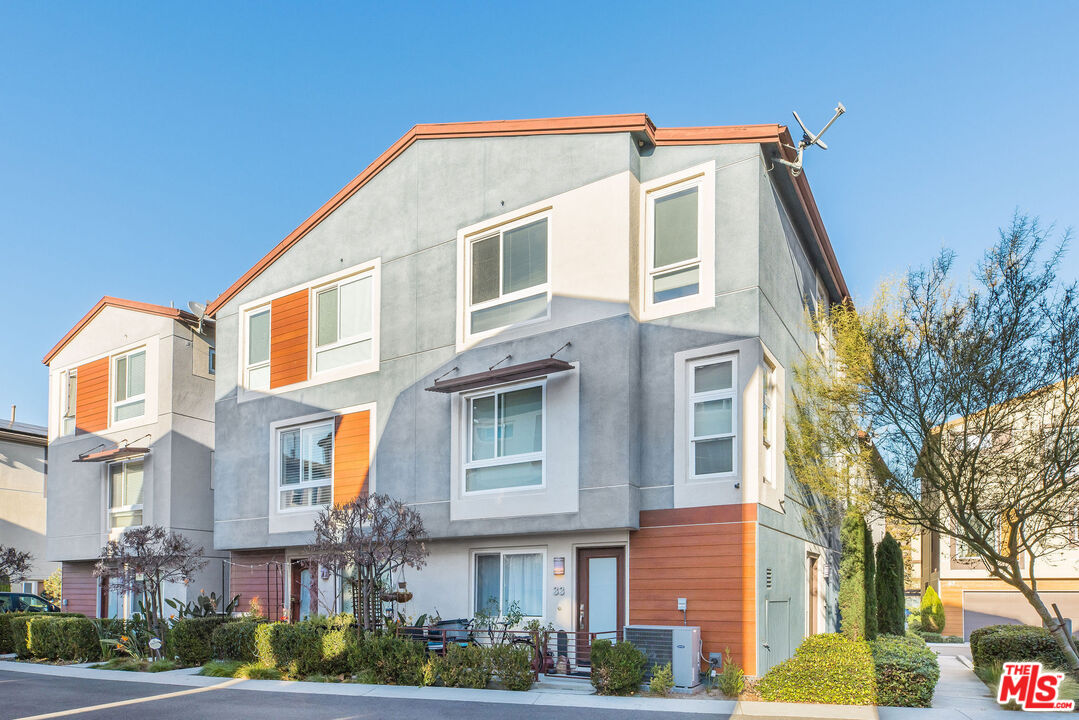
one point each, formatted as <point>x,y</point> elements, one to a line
<point>131,436</point>
<point>566,342</point>
<point>24,457</point>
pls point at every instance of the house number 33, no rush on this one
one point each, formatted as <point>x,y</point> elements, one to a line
<point>560,590</point>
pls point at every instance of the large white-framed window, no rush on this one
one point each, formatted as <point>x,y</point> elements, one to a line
<point>508,274</point>
<point>257,348</point>
<point>125,494</point>
<point>712,417</point>
<point>129,385</point>
<point>768,420</point>
<point>504,578</point>
<point>679,242</point>
<point>505,444</point>
<point>305,465</point>
<point>343,323</point>
<point>68,394</point>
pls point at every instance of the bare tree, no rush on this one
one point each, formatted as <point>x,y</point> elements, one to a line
<point>969,397</point>
<point>143,559</point>
<point>14,564</point>
<point>365,541</point>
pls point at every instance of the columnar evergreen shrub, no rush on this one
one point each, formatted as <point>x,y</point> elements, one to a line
<point>870,586</point>
<point>932,611</point>
<point>852,577</point>
<point>617,668</point>
<point>191,638</point>
<point>891,608</point>
<point>906,671</point>
<point>826,668</point>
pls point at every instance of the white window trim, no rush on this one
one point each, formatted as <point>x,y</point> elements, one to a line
<point>110,510</point>
<point>312,419</point>
<point>470,464</point>
<point>703,178</point>
<point>467,237</point>
<point>736,425</point>
<point>244,393</point>
<point>503,551</point>
<point>113,403</point>
<point>66,400</point>
<point>279,488</point>
<point>312,328</point>
<point>245,334</point>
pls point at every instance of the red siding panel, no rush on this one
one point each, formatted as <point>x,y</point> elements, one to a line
<point>78,588</point>
<point>261,574</point>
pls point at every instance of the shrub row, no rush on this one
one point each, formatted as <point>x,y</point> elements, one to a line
<point>906,671</point>
<point>935,637</point>
<point>1012,643</point>
<point>191,638</point>
<point>55,636</point>
<point>826,668</point>
<point>235,640</point>
<point>7,640</point>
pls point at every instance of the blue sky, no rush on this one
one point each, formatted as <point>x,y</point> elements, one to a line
<point>155,151</point>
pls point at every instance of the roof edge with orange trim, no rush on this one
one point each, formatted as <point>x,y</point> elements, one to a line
<point>590,124</point>
<point>108,301</point>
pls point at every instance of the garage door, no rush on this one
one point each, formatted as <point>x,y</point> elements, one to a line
<point>998,607</point>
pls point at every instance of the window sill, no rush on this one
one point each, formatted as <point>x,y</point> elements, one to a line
<point>245,394</point>
<point>679,306</point>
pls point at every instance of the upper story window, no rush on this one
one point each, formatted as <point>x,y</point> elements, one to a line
<point>257,370</point>
<point>679,242</point>
<point>305,469</point>
<point>344,323</point>
<point>712,411</point>
<point>125,494</point>
<point>505,440</point>
<point>68,395</point>
<point>211,361</point>
<point>768,420</point>
<point>129,385</point>
<point>507,276</point>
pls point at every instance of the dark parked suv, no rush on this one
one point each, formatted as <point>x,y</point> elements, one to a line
<point>25,602</point>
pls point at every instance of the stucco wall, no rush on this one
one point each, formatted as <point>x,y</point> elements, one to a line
<point>22,502</point>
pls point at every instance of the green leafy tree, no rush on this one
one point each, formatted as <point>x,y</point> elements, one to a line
<point>852,582</point>
<point>14,564</point>
<point>891,611</point>
<point>955,409</point>
<point>53,586</point>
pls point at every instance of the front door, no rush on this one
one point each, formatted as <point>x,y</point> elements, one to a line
<point>301,593</point>
<point>812,561</point>
<point>601,587</point>
<point>777,635</point>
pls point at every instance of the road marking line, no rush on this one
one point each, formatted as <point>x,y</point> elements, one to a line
<point>133,701</point>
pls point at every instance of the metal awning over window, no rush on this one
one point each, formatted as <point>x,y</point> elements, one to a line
<point>500,375</point>
<point>113,454</point>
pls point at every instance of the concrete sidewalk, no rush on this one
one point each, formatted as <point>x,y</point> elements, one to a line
<point>549,694</point>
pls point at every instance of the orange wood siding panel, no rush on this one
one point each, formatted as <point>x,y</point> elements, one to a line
<point>79,588</point>
<point>288,339</point>
<point>261,574</point>
<point>708,556</point>
<point>351,455</point>
<point>92,397</point>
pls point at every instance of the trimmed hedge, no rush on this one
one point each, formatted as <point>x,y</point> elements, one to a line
<point>1015,643</point>
<point>48,637</point>
<point>235,641</point>
<point>827,668</point>
<point>191,638</point>
<point>7,640</point>
<point>617,668</point>
<point>324,646</point>
<point>389,660</point>
<point>513,666</point>
<point>906,671</point>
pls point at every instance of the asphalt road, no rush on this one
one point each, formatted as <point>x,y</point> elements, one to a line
<point>24,695</point>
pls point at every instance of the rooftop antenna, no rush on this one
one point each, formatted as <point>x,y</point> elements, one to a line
<point>808,139</point>
<point>199,311</point>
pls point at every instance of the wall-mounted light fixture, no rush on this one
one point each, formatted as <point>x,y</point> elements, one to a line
<point>560,566</point>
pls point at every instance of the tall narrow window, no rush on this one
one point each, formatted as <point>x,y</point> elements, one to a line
<point>257,370</point>
<point>129,386</point>
<point>505,447</point>
<point>675,269</point>
<point>508,277</point>
<point>505,581</point>
<point>768,421</point>
<point>68,395</point>
<point>344,323</point>
<point>305,471</point>
<point>712,418</point>
<point>125,494</point>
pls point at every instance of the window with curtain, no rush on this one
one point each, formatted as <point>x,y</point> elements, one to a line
<point>125,494</point>
<point>508,277</point>
<point>505,446</point>
<point>674,266</point>
<point>305,475</point>
<point>505,578</point>
<point>344,323</point>
<point>129,385</point>
<point>712,417</point>
<point>257,366</point>
<point>768,421</point>
<point>68,395</point>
